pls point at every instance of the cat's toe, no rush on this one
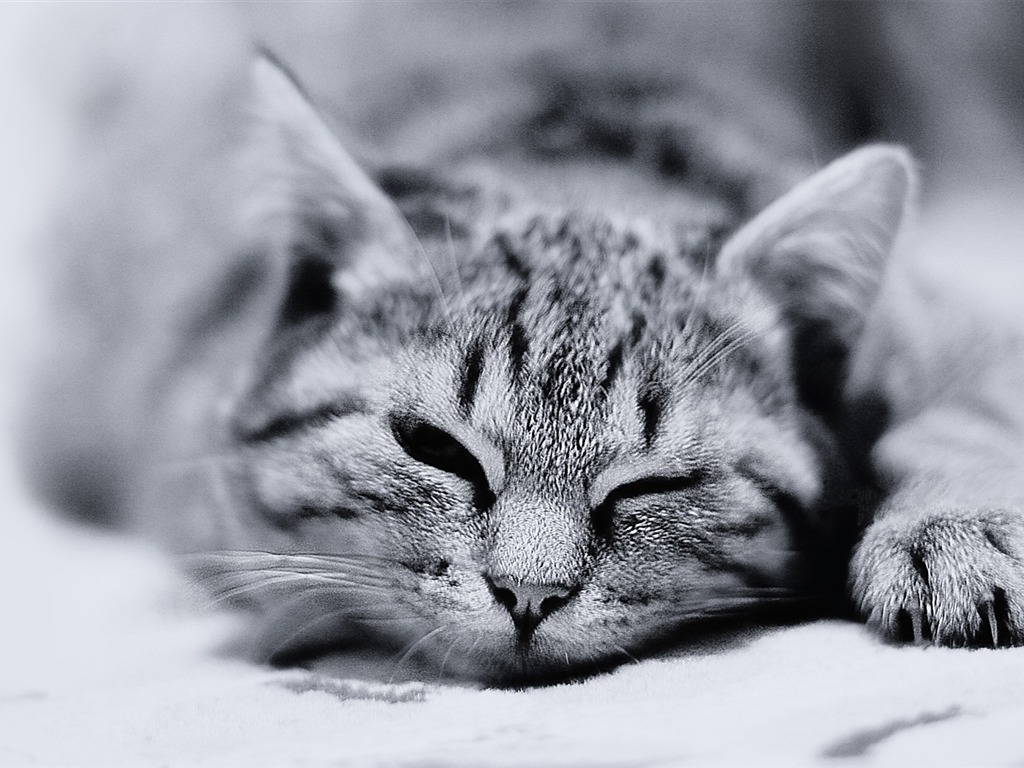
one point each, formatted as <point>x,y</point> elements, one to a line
<point>951,577</point>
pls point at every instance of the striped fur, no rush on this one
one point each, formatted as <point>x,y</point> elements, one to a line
<point>530,440</point>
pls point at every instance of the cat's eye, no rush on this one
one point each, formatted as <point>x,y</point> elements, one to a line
<point>646,486</point>
<point>432,445</point>
<point>657,485</point>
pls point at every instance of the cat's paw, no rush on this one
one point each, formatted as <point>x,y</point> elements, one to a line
<point>950,576</point>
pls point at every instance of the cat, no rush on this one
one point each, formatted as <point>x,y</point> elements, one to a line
<point>533,438</point>
<point>527,424</point>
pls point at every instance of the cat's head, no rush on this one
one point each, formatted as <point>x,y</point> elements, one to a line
<point>532,441</point>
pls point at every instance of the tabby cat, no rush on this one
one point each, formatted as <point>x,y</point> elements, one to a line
<point>533,438</point>
<point>525,425</point>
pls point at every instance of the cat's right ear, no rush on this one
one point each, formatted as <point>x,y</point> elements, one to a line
<point>308,202</point>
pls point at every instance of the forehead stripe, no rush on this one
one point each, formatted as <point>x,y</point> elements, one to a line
<point>512,260</point>
<point>651,408</point>
<point>472,368</point>
<point>518,344</point>
<point>612,368</point>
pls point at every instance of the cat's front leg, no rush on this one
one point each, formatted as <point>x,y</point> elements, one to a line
<point>943,561</point>
<point>948,573</point>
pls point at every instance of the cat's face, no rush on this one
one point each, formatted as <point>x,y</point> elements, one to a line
<point>537,448</point>
<point>585,445</point>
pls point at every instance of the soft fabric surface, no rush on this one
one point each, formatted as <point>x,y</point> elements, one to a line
<point>107,660</point>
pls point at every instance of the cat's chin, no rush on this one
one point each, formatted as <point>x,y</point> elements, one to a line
<point>499,661</point>
<point>494,658</point>
<point>449,653</point>
<point>515,670</point>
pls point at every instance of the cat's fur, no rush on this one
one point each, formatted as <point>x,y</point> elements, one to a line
<point>537,438</point>
<point>942,560</point>
<point>536,413</point>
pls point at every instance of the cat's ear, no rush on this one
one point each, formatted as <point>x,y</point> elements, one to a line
<point>820,252</point>
<point>309,201</point>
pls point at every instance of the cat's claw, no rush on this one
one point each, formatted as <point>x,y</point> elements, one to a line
<point>996,621</point>
<point>993,623</point>
<point>952,577</point>
<point>917,624</point>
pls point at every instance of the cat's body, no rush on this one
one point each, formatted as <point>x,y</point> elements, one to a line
<point>544,404</point>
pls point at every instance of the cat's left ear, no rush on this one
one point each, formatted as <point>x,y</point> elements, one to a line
<point>311,204</point>
<point>820,252</point>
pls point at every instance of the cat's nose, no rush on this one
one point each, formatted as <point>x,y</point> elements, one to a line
<point>529,604</point>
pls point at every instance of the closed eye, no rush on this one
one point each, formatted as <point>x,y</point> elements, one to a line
<point>644,486</point>
<point>431,445</point>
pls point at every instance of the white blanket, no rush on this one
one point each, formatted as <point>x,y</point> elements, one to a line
<point>106,660</point>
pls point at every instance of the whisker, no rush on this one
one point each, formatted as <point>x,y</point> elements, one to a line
<point>258,559</point>
<point>469,652</point>
<point>452,257</point>
<point>348,618</point>
<point>211,572</point>
<point>236,575</point>
<point>223,595</point>
<point>632,659</point>
<point>405,656</point>
<point>724,607</point>
<point>433,272</point>
<point>303,629</point>
<point>365,618</point>
<point>707,362</point>
<point>444,660</point>
<point>710,349</point>
<point>309,584</point>
<point>702,288</point>
<point>242,565</point>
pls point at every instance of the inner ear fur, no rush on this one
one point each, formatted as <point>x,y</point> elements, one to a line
<point>325,231</point>
<point>309,204</point>
<point>820,252</point>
